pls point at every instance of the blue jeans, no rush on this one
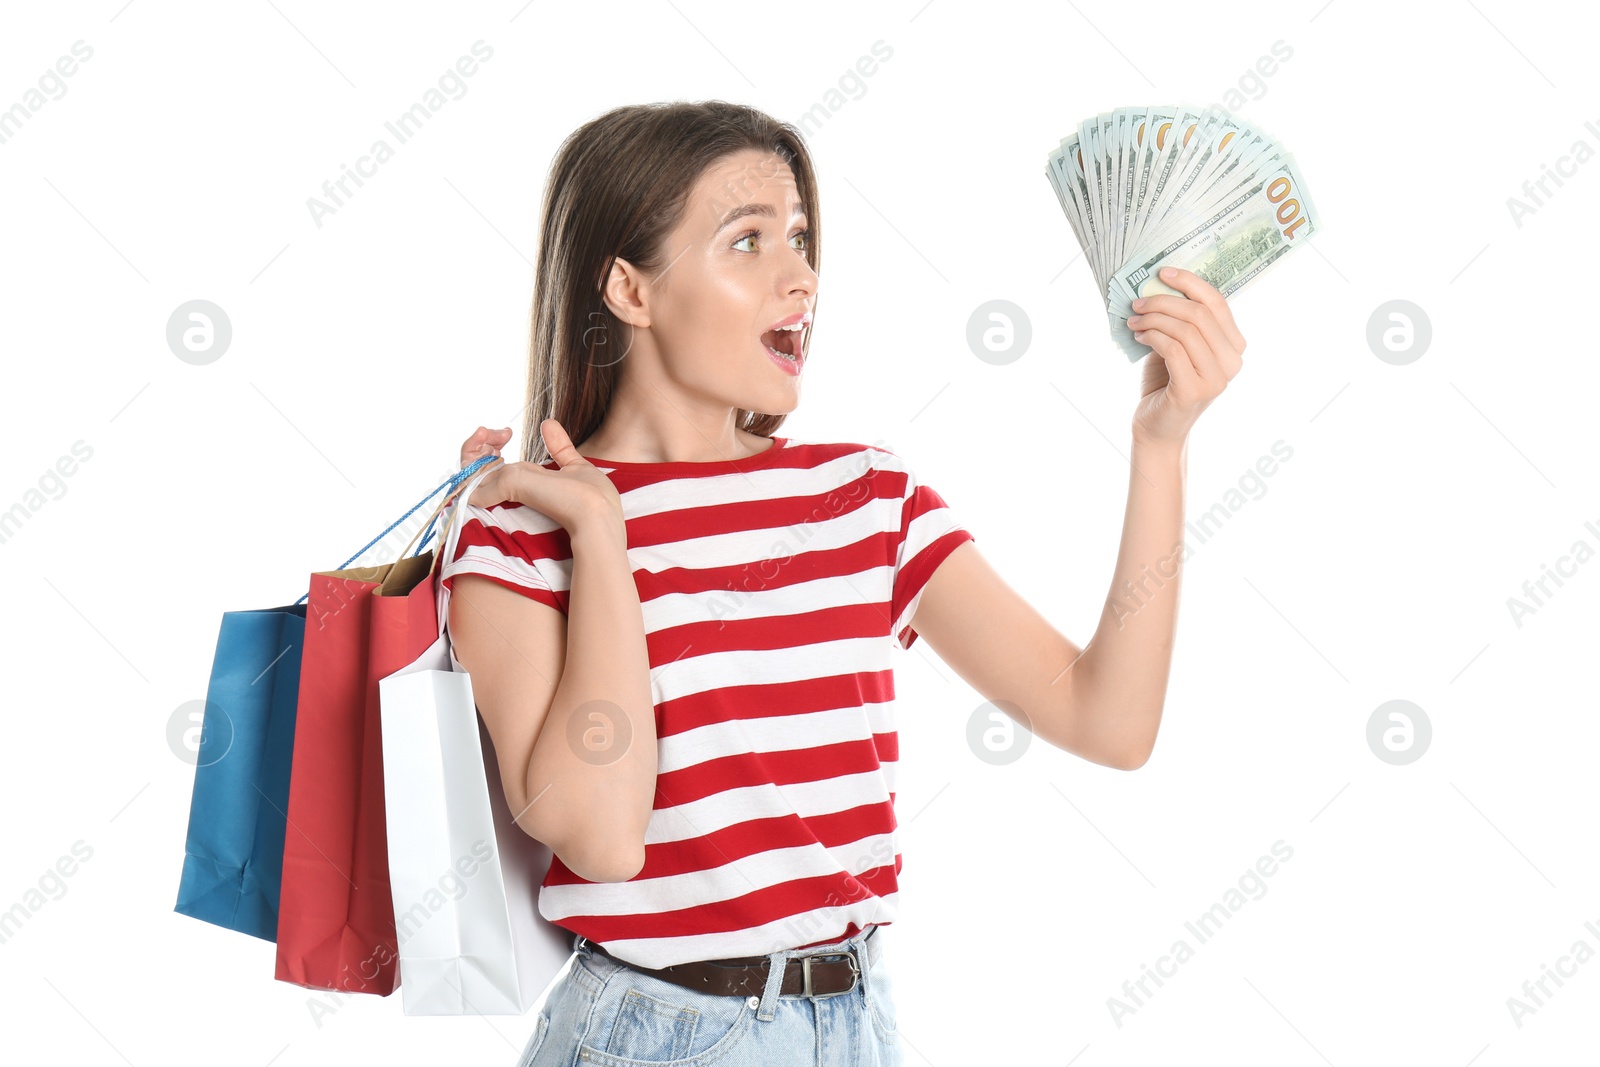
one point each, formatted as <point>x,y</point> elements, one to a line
<point>605,1013</point>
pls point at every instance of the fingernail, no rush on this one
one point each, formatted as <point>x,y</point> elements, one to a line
<point>1169,272</point>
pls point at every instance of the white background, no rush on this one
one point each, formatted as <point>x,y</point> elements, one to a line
<point>1375,564</point>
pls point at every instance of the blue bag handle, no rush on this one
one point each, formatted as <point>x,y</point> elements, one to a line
<point>450,483</point>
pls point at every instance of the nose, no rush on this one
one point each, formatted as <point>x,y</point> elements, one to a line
<point>798,278</point>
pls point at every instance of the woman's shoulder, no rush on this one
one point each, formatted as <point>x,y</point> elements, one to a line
<point>876,453</point>
<point>875,461</point>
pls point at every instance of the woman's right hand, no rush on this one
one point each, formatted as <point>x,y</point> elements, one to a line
<point>576,494</point>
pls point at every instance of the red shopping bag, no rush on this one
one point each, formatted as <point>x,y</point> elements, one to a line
<point>336,927</point>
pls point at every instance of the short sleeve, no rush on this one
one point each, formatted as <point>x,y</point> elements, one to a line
<point>507,543</point>
<point>928,532</point>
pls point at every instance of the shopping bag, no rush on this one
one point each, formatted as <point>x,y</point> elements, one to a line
<point>233,854</point>
<point>464,876</point>
<point>336,927</point>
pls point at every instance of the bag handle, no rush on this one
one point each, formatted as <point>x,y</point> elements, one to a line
<point>447,547</point>
<point>453,480</point>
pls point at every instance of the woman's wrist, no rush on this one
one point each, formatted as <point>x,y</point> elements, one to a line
<point>1158,449</point>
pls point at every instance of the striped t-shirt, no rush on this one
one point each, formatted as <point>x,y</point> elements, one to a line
<point>773,589</point>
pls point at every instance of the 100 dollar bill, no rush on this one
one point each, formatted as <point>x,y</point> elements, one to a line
<point>1232,245</point>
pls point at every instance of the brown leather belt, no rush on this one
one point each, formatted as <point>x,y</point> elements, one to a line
<point>826,974</point>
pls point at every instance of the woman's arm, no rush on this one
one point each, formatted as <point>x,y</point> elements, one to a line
<point>566,698</point>
<point>1125,667</point>
<point>1102,702</point>
<point>598,747</point>
<point>568,704</point>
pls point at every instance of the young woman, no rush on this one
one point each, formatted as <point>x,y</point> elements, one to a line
<point>679,630</point>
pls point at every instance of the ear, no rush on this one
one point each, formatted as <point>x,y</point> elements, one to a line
<point>624,293</point>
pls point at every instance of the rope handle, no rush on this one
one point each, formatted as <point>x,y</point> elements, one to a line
<point>450,483</point>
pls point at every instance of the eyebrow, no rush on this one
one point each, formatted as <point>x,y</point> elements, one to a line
<point>743,210</point>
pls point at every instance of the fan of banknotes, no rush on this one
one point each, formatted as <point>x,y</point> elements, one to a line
<point>1196,188</point>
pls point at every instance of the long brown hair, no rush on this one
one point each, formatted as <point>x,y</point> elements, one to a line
<point>617,186</point>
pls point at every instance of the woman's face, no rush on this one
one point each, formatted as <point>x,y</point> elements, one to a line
<point>735,266</point>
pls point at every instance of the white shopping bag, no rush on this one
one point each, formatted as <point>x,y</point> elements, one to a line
<point>465,878</point>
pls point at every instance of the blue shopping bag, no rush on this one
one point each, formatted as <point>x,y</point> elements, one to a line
<point>238,813</point>
<point>233,860</point>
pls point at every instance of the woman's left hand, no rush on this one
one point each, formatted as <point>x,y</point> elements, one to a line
<point>1197,350</point>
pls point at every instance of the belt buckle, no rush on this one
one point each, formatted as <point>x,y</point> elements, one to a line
<point>805,976</point>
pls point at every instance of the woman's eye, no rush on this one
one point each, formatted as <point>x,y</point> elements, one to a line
<point>752,235</point>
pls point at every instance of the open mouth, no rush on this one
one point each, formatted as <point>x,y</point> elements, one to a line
<point>785,343</point>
